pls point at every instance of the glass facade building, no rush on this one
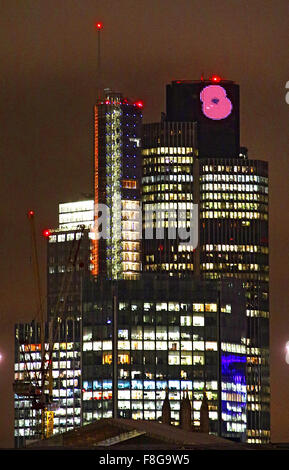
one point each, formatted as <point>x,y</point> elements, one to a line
<point>233,201</point>
<point>64,413</point>
<point>167,190</point>
<point>68,262</point>
<point>73,214</point>
<point>135,340</point>
<point>117,128</point>
<point>171,334</point>
<point>193,158</point>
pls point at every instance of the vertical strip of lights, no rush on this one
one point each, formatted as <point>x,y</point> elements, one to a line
<point>95,247</point>
<point>234,394</point>
<point>113,188</point>
<point>131,223</point>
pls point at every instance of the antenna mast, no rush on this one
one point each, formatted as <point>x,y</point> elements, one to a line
<point>99,28</point>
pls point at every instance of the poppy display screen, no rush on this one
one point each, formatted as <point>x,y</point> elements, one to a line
<point>215,103</point>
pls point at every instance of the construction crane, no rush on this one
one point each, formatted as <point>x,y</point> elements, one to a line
<point>38,385</point>
<point>34,387</point>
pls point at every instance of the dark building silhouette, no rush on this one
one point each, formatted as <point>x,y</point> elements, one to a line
<point>166,410</point>
<point>214,106</point>
<point>204,415</point>
<point>186,413</point>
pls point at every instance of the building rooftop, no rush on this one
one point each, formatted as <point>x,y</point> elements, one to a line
<point>135,434</point>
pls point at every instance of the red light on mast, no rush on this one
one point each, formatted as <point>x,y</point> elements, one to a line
<point>99,26</point>
<point>139,104</point>
<point>30,214</point>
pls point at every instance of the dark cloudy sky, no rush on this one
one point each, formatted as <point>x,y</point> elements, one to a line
<point>47,90</point>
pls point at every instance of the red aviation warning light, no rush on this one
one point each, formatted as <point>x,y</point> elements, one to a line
<point>99,26</point>
<point>139,104</point>
<point>46,233</point>
<point>30,214</point>
<point>215,78</point>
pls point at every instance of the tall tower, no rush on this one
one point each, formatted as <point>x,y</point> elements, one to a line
<point>233,205</point>
<point>231,192</point>
<point>117,128</point>
<point>116,245</point>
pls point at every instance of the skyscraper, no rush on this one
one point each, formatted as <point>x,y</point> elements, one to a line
<point>117,127</point>
<point>231,192</point>
<point>234,244</point>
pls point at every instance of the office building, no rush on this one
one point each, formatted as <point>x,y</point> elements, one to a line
<point>68,263</point>
<point>164,334</point>
<point>210,170</point>
<point>172,334</point>
<point>72,215</point>
<point>117,166</point>
<point>234,243</point>
<point>63,412</point>
<point>168,155</point>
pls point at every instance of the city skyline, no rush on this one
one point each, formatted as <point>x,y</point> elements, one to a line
<point>46,186</point>
<point>172,159</point>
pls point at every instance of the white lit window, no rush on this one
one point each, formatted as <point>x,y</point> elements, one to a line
<point>186,320</point>
<point>173,359</point>
<point>198,320</point>
<point>87,346</point>
<point>198,346</point>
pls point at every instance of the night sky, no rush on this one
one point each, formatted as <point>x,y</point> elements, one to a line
<point>48,74</point>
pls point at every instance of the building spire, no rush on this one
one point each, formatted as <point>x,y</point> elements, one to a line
<point>186,412</point>
<point>166,409</point>
<point>99,28</point>
<point>204,414</point>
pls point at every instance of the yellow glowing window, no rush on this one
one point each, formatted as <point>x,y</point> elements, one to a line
<point>129,184</point>
<point>107,395</point>
<point>107,358</point>
<point>32,347</point>
<point>122,358</point>
<point>211,307</point>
